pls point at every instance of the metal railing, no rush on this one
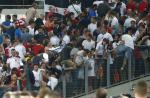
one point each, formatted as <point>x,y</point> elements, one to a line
<point>71,86</point>
<point>138,65</point>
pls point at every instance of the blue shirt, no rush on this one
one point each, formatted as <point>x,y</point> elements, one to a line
<point>18,33</point>
<point>10,31</point>
<point>92,13</point>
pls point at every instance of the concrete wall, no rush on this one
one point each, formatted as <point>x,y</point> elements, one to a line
<point>19,12</point>
<point>123,88</point>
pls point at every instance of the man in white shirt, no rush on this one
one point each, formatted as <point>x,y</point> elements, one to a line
<point>104,35</point>
<point>120,6</point>
<point>88,44</point>
<point>13,61</point>
<point>128,21</point>
<point>126,47</point>
<point>75,8</point>
<point>66,38</point>
<point>31,27</point>
<point>93,25</point>
<point>20,49</point>
<point>113,23</point>
<point>99,49</point>
<point>36,72</point>
<point>54,40</point>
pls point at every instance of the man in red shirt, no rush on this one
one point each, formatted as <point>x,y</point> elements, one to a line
<point>143,6</point>
<point>37,48</point>
<point>131,5</point>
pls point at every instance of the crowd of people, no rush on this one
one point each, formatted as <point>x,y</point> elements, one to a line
<point>38,50</point>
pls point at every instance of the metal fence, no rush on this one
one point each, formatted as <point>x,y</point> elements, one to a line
<point>108,74</point>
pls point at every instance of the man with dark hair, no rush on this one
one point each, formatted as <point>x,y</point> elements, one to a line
<point>14,18</point>
<point>141,90</point>
<point>101,93</point>
<point>8,28</point>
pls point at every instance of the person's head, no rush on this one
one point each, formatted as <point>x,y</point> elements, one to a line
<point>51,9</point>
<point>133,24</point>
<point>32,23</point>
<point>7,40</point>
<point>40,30</point>
<point>13,77</point>
<point>112,14</point>
<point>72,16</point>
<point>116,37</point>
<point>89,37</point>
<point>13,52</point>
<point>7,17</point>
<point>101,93</point>
<point>141,89</point>
<point>94,7</point>
<point>106,23</point>
<point>129,31</point>
<point>35,5</point>
<point>103,29</point>
<point>21,69</point>
<point>142,28</point>
<point>14,17</point>
<point>36,67</point>
<point>93,20</point>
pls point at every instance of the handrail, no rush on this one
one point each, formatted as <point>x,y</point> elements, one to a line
<point>83,94</point>
<point>121,82</point>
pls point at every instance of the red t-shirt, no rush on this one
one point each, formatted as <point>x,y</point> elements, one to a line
<point>37,49</point>
<point>27,46</point>
<point>143,6</point>
<point>131,5</point>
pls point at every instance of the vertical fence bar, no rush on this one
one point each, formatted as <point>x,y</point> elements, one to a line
<point>64,85</point>
<point>130,73</point>
<point>108,71</point>
<point>86,79</point>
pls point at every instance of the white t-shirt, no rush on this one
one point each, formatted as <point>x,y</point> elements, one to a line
<point>100,48</point>
<point>135,35</point>
<point>123,9</point>
<point>91,72</point>
<point>115,23</point>
<point>14,62</point>
<point>92,27</point>
<point>104,36</point>
<point>88,44</point>
<point>37,77</point>
<point>53,82</point>
<point>55,40</point>
<point>128,40</point>
<point>21,50</point>
<point>76,9</point>
<point>116,44</point>
<point>31,30</point>
<point>127,22</point>
<point>66,40</point>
